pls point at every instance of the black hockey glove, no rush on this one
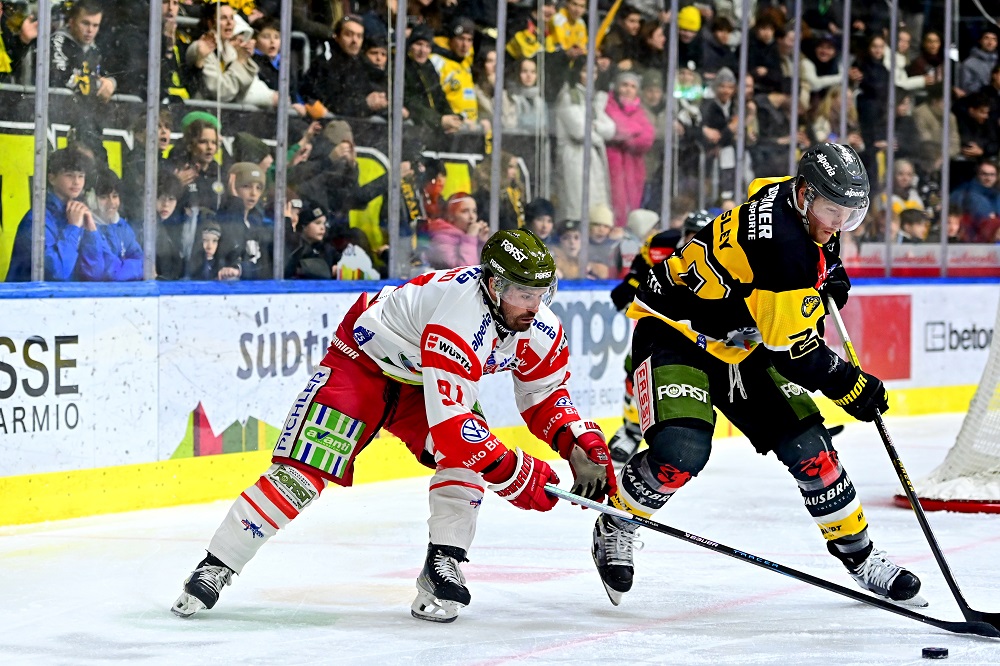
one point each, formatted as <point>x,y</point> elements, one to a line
<point>836,286</point>
<point>867,395</point>
<point>622,295</point>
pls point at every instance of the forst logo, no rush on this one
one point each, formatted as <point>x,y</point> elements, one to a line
<point>681,391</point>
<point>513,251</point>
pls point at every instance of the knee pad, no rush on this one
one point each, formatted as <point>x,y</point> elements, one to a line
<point>676,454</point>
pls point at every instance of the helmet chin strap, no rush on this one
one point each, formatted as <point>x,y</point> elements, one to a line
<point>795,204</point>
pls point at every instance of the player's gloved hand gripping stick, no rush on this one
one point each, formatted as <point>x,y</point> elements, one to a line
<point>971,615</point>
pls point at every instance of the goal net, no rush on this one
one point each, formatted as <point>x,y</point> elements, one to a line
<point>969,478</point>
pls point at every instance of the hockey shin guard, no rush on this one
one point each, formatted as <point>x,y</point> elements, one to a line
<point>674,456</point>
<point>280,494</point>
<point>826,489</point>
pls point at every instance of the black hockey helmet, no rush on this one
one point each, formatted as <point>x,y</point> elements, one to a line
<point>835,172</point>
<point>696,221</point>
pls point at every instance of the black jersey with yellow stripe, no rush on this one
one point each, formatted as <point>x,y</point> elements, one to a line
<point>750,279</point>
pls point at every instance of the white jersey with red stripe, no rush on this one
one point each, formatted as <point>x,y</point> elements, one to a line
<point>437,330</point>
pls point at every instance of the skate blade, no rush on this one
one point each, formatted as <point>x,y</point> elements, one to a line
<point>428,607</point>
<point>916,601</point>
<point>187,605</point>
<point>614,595</point>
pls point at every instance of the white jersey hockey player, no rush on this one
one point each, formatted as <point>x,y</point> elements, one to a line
<point>410,361</point>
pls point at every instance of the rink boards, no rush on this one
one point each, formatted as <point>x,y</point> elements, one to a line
<point>155,395</point>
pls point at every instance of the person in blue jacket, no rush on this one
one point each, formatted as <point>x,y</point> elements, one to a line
<point>115,241</point>
<point>67,220</point>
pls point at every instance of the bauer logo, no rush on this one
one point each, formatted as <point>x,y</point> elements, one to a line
<point>942,336</point>
<point>474,431</point>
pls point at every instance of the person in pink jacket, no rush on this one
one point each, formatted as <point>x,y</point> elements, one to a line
<point>634,136</point>
<point>455,240</point>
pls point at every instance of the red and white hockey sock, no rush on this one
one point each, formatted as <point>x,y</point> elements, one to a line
<point>279,495</point>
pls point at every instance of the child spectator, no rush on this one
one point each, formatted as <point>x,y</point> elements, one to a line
<point>248,242</point>
<point>913,226</point>
<point>633,138</point>
<point>355,261</point>
<point>567,252</point>
<point>456,239</point>
<point>267,55</point>
<point>66,221</point>
<point>175,233</point>
<point>116,242</point>
<point>375,60</point>
<point>601,247</point>
<point>538,216</point>
<point>221,59</point>
<point>206,261</point>
<point>312,258</point>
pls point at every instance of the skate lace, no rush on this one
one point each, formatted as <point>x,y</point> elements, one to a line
<point>877,570</point>
<point>619,543</point>
<point>214,577</point>
<point>447,567</point>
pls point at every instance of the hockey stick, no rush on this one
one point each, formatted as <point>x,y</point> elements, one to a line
<point>970,614</point>
<point>977,628</point>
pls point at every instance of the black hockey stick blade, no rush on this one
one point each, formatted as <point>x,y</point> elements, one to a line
<point>985,627</point>
<point>968,612</point>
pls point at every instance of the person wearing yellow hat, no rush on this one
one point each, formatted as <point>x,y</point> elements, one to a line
<point>689,39</point>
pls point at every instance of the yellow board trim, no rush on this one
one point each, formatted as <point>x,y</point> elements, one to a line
<point>72,494</point>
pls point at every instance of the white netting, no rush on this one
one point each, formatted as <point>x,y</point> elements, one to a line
<point>971,470</point>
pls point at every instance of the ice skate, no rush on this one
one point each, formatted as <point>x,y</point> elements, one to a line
<point>612,551</point>
<point>203,587</point>
<point>441,587</point>
<point>881,577</point>
<point>624,443</point>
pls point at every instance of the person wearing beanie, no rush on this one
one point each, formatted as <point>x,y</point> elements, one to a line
<point>206,260</point>
<point>716,132</point>
<point>204,116</point>
<point>539,217</point>
<point>423,96</point>
<point>634,135</point>
<point>690,43</point>
<point>601,246</point>
<point>247,247</point>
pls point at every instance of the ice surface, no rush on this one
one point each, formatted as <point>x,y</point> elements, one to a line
<point>335,588</point>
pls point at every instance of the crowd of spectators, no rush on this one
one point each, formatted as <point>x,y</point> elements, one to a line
<point>215,217</point>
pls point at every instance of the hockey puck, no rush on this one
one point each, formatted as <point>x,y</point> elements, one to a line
<point>935,653</point>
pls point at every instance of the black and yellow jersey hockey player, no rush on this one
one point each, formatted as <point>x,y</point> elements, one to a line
<point>732,322</point>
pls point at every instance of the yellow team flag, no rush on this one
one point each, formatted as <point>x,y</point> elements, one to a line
<point>606,23</point>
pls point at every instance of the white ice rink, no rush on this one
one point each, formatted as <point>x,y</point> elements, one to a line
<point>335,588</point>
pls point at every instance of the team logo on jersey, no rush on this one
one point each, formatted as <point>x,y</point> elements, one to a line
<point>408,364</point>
<point>809,305</point>
<point>564,402</point>
<point>253,529</point>
<point>702,341</point>
<point>362,335</point>
<point>474,431</point>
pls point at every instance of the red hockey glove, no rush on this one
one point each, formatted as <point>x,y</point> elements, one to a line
<point>520,479</point>
<point>582,444</point>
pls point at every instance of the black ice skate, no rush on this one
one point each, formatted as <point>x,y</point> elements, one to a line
<point>203,587</point>
<point>612,551</point>
<point>441,587</point>
<point>881,577</point>
<point>625,442</point>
